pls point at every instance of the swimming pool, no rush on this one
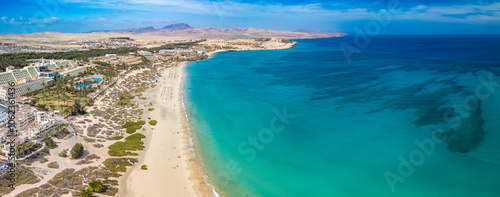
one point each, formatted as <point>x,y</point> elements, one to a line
<point>81,85</point>
<point>97,78</point>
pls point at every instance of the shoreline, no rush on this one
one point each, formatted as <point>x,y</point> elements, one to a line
<point>170,138</point>
<point>166,154</point>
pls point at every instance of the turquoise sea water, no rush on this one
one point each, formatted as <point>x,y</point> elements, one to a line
<point>408,116</point>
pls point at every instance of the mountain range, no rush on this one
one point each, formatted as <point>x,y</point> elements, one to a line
<point>172,27</point>
<point>183,30</point>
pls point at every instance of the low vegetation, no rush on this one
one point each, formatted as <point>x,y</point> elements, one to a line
<point>77,151</point>
<point>49,143</point>
<point>54,165</point>
<point>144,167</point>
<point>153,122</point>
<point>131,143</point>
<point>132,127</point>
<point>76,181</point>
<point>63,153</point>
<point>118,137</point>
<point>43,160</point>
<point>124,98</point>
<point>96,186</point>
<point>85,193</point>
<point>23,175</point>
<point>118,164</point>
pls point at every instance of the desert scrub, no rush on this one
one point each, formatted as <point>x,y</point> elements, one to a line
<point>23,175</point>
<point>96,186</point>
<point>49,143</point>
<point>118,164</point>
<point>124,98</point>
<point>43,160</point>
<point>133,126</point>
<point>77,151</point>
<point>54,165</point>
<point>144,167</point>
<point>63,153</point>
<point>98,145</point>
<point>131,143</point>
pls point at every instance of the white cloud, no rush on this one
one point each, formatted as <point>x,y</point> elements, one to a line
<point>459,13</point>
<point>30,21</point>
<point>472,13</point>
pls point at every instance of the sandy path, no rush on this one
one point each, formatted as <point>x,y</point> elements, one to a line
<point>166,147</point>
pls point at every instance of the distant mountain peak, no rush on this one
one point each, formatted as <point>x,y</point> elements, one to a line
<point>304,30</point>
<point>177,26</point>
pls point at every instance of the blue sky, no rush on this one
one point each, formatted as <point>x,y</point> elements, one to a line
<point>387,17</point>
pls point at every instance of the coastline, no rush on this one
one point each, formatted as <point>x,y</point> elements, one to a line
<point>166,153</point>
<point>171,137</point>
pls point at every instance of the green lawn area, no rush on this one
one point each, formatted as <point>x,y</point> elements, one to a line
<point>131,143</point>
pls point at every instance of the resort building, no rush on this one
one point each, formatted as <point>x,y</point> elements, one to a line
<point>25,117</point>
<point>176,50</point>
<point>41,116</point>
<point>4,117</point>
<point>24,88</point>
<point>31,126</point>
<point>32,78</point>
<point>148,55</point>
<point>37,131</point>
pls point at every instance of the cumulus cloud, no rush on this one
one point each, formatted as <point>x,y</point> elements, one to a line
<point>30,21</point>
<point>225,8</point>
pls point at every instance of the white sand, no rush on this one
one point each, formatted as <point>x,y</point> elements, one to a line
<point>167,174</point>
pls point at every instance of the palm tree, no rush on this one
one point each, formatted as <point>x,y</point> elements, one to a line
<point>58,90</point>
<point>43,92</point>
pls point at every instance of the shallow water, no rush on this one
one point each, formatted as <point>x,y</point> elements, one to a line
<point>361,128</point>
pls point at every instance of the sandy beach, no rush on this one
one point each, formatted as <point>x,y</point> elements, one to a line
<point>169,170</point>
<point>172,170</point>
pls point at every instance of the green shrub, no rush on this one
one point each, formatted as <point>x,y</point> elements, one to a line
<point>118,164</point>
<point>131,143</point>
<point>63,153</point>
<point>124,98</point>
<point>128,124</point>
<point>118,137</point>
<point>49,142</point>
<point>96,186</point>
<point>54,165</point>
<point>153,122</point>
<point>132,129</point>
<point>141,122</point>
<point>144,167</point>
<point>43,160</point>
<point>85,193</point>
<point>77,151</point>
